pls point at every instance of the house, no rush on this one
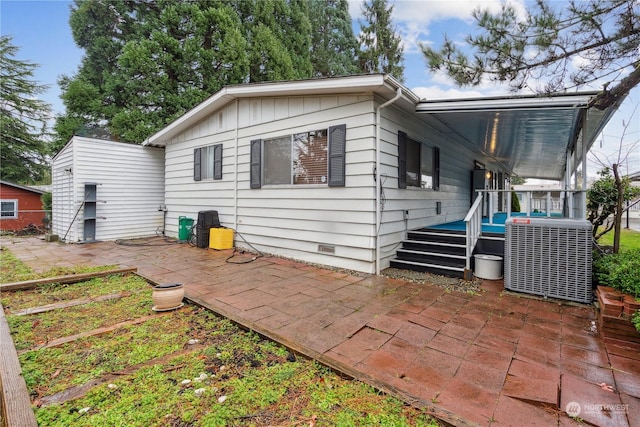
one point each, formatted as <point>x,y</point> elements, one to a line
<point>21,206</point>
<point>337,171</point>
<point>539,198</point>
<point>107,190</point>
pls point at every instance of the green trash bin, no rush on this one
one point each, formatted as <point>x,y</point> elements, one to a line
<point>184,227</point>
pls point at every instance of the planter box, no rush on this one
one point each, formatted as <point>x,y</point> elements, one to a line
<point>614,316</point>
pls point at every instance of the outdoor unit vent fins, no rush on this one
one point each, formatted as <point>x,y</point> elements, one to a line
<point>549,257</point>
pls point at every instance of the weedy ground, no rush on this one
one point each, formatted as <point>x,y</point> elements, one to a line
<point>187,367</point>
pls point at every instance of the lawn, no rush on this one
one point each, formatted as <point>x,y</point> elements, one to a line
<point>187,367</point>
<point>629,239</point>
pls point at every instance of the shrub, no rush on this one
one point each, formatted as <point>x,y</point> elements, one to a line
<point>621,271</point>
<point>515,202</point>
<point>636,320</point>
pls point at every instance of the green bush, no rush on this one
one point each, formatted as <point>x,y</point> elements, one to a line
<point>636,320</point>
<point>620,271</point>
<point>515,202</point>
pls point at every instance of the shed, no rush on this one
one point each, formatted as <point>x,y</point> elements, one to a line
<point>21,206</point>
<point>107,190</point>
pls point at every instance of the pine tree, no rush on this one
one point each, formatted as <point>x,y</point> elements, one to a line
<point>334,46</point>
<point>279,34</point>
<point>23,119</point>
<point>603,35</point>
<point>146,63</point>
<point>380,45</point>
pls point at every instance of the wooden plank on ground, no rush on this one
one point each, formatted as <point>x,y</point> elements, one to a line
<point>16,404</point>
<point>71,278</point>
<point>94,332</point>
<point>67,304</point>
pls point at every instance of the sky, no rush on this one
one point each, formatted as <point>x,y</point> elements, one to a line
<point>40,28</point>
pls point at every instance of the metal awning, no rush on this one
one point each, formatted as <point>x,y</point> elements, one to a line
<point>530,136</point>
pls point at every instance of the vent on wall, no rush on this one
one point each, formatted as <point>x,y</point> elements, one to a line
<point>326,249</point>
<point>549,257</point>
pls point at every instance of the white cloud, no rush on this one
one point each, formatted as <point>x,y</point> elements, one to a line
<point>437,92</point>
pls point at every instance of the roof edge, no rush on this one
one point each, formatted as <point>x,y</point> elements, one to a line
<point>344,84</point>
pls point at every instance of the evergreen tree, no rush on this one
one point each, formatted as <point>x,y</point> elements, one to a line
<point>602,35</point>
<point>334,46</point>
<point>146,63</point>
<point>279,33</point>
<point>23,119</point>
<point>380,45</point>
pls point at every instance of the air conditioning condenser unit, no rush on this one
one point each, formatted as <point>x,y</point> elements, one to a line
<point>550,257</point>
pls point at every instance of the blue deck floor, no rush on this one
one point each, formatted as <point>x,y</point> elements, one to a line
<point>498,222</point>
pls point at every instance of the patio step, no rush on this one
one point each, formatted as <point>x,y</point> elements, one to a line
<point>442,251</point>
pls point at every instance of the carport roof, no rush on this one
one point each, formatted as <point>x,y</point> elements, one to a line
<point>529,135</point>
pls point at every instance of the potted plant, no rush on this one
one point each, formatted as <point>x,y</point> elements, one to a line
<point>618,278</point>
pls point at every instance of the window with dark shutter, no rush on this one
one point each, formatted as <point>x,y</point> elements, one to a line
<point>255,172</point>
<point>197,156</point>
<point>337,147</point>
<point>402,159</point>
<point>217,161</point>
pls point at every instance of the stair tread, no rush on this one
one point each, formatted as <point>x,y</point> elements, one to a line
<point>424,264</point>
<point>445,255</point>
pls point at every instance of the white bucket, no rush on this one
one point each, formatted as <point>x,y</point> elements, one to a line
<point>488,266</point>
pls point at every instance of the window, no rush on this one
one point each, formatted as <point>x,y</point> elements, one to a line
<point>418,164</point>
<point>207,162</point>
<point>296,159</point>
<point>315,157</point>
<point>9,209</point>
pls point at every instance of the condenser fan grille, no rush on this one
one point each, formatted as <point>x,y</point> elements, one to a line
<point>549,257</point>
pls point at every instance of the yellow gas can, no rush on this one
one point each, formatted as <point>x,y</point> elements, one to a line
<point>221,238</point>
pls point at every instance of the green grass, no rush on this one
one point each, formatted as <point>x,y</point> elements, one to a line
<point>629,239</point>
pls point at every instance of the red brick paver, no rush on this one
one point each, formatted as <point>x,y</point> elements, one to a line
<point>493,358</point>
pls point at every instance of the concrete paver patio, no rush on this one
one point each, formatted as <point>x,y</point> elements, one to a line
<point>488,358</point>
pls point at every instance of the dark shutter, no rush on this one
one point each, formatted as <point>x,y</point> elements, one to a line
<point>337,147</point>
<point>402,159</point>
<point>196,164</point>
<point>217,161</point>
<point>255,174</point>
<point>436,168</point>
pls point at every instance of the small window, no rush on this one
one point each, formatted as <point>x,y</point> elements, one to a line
<point>418,164</point>
<point>207,163</point>
<point>9,209</point>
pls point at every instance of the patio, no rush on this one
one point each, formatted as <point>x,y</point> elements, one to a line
<point>487,358</point>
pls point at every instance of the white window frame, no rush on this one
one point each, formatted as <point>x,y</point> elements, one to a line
<point>15,209</point>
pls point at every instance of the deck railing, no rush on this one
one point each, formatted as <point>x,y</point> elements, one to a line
<point>572,204</point>
<point>473,223</point>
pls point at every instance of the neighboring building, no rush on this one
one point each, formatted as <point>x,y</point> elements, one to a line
<point>106,190</point>
<point>539,198</point>
<point>20,206</point>
<point>336,171</point>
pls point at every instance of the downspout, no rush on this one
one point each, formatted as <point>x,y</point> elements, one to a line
<point>378,184</point>
<point>235,189</point>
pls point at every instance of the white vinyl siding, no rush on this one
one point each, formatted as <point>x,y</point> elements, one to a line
<point>130,189</point>
<point>289,220</point>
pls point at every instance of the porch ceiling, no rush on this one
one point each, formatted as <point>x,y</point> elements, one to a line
<point>529,135</point>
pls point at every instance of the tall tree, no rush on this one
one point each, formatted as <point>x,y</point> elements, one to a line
<point>584,42</point>
<point>334,46</point>
<point>279,34</point>
<point>23,119</point>
<point>147,62</point>
<point>380,45</point>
